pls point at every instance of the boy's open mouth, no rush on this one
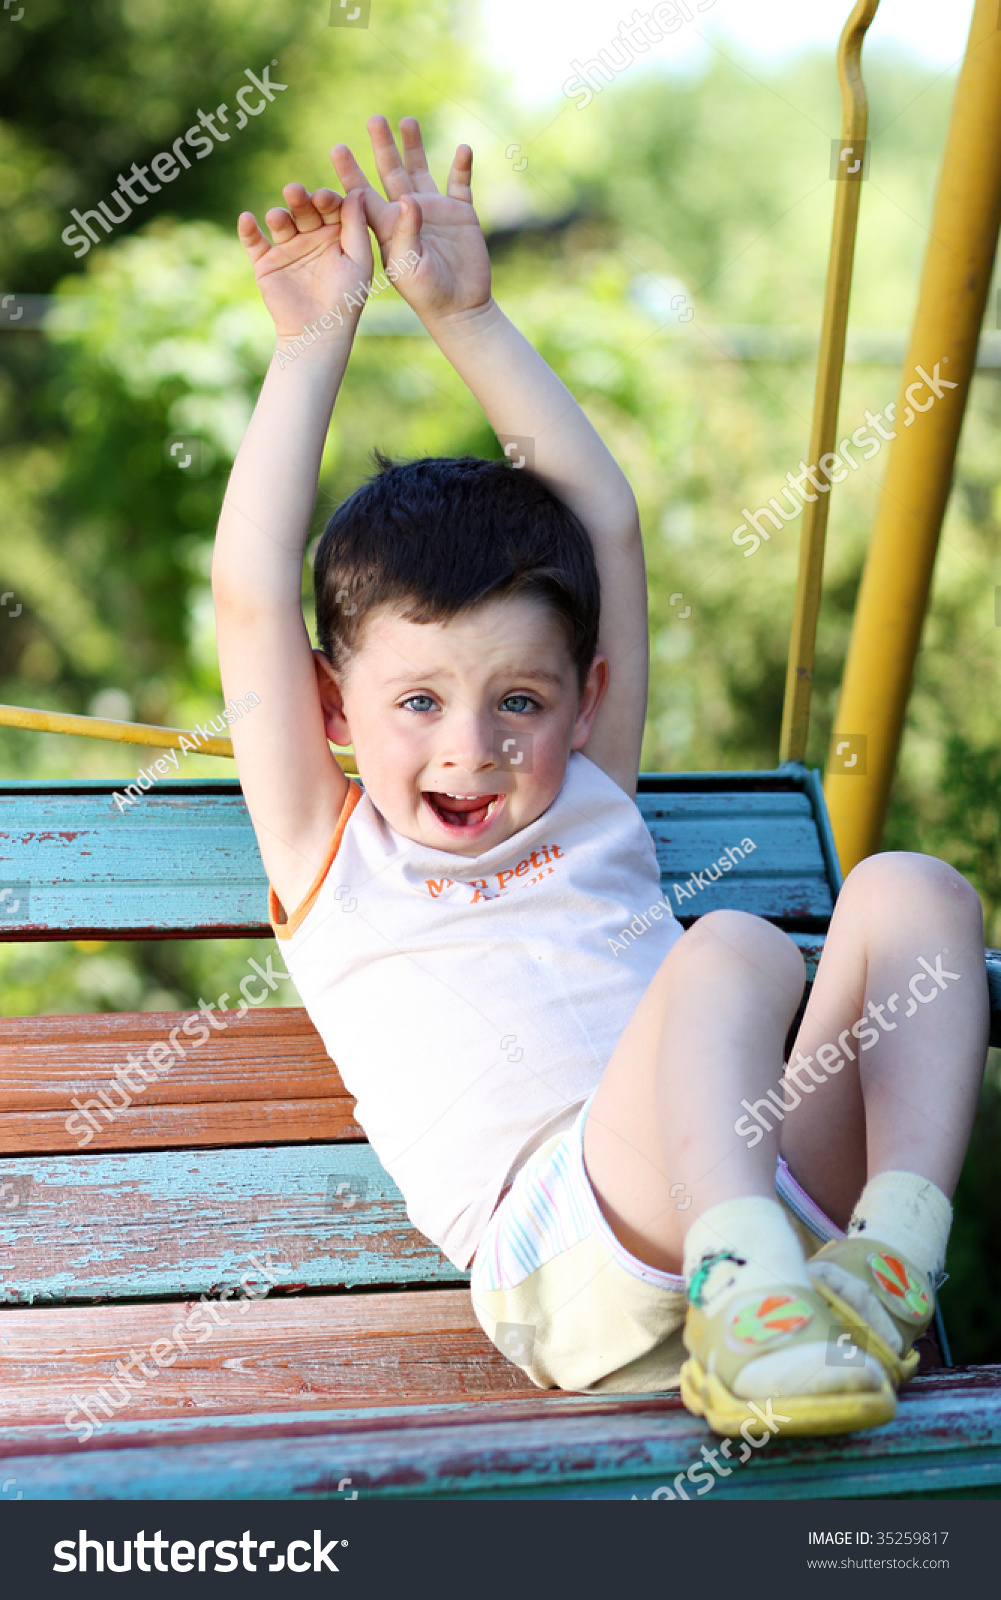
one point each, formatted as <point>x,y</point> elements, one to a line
<point>462,810</point>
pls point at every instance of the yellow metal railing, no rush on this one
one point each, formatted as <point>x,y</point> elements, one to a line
<point>893,597</point>
<point>126,732</point>
<point>848,190</point>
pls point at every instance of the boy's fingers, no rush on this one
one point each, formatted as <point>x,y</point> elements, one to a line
<point>378,211</point>
<point>299,201</point>
<point>414,159</point>
<point>280,225</point>
<point>394,175</point>
<point>328,204</point>
<point>355,240</point>
<point>350,173</point>
<point>251,237</point>
<point>407,233</point>
<point>460,177</point>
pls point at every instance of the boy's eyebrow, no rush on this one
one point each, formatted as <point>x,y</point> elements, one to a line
<point>531,674</point>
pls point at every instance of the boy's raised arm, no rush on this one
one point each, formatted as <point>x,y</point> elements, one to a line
<point>522,399</point>
<point>293,785</point>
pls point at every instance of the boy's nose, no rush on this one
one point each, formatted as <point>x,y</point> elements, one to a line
<point>469,747</point>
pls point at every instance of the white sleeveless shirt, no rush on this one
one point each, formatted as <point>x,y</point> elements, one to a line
<point>472,1004</point>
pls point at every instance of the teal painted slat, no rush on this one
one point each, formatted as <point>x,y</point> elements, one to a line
<point>784,876</point>
<point>947,1436</point>
<point>177,861</point>
<point>184,859</point>
<point>176,1224</point>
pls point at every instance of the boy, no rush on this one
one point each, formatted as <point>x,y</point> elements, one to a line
<point>562,1119</point>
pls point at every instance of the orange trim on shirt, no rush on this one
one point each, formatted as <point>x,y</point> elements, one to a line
<point>286,927</point>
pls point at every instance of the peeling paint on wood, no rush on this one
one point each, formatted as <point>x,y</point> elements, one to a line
<point>184,859</point>
<point>166,1223</point>
<point>153,1227</point>
<point>269,1355</point>
<point>946,1437</point>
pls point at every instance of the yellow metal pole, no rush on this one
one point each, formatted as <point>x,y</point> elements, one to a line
<point>939,366</point>
<point>830,362</point>
<point>117,732</point>
<point>123,732</point>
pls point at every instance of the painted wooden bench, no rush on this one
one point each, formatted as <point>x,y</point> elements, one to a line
<point>231,1218</point>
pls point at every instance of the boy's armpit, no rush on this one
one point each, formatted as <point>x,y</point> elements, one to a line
<point>285,925</point>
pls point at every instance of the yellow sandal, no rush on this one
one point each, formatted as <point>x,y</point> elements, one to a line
<point>876,1291</point>
<point>755,1325</point>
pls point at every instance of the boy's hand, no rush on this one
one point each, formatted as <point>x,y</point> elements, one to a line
<point>320,253</point>
<point>453,272</point>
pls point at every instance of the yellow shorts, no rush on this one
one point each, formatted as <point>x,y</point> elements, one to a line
<point>562,1298</point>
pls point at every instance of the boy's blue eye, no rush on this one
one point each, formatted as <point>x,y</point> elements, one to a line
<point>527,703</point>
<point>411,703</point>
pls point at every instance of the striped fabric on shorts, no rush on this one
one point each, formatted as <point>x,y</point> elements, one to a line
<point>551,1206</point>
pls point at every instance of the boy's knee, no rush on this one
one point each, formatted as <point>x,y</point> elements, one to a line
<point>894,876</point>
<point>737,933</point>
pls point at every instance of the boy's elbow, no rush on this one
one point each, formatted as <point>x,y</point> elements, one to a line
<point>627,520</point>
<point>231,595</point>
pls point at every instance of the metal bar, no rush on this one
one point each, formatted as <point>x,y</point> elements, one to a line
<point>115,732</point>
<point>847,194</point>
<point>893,596</point>
<point>191,741</point>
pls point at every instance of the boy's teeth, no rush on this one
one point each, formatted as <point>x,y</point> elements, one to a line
<point>474,807</point>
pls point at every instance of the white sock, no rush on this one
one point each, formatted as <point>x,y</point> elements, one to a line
<point>908,1213</point>
<point>747,1245</point>
<point>901,1211</point>
<point>741,1244</point>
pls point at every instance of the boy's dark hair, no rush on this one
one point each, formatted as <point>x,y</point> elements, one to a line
<point>438,535</point>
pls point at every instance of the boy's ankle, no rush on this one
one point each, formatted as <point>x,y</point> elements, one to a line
<point>905,1212</point>
<point>741,1245</point>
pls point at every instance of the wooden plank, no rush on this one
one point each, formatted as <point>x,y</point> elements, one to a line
<point>183,861</point>
<point>175,1224</point>
<point>783,877</point>
<point>242,1356</point>
<point>264,1078</point>
<point>223,1122</point>
<point>946,1437</point>
<point>273,1053</point>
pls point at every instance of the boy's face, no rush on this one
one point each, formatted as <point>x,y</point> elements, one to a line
<point>462,730</point>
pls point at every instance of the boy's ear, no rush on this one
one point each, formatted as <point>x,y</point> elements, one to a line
<point>331,700</point>
<point>591,698</point>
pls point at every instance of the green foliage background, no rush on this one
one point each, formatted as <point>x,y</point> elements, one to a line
<point>716,188</point>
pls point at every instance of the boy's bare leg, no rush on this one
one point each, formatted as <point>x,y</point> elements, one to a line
<point>709,1030</point>
<point>906,1103</point>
